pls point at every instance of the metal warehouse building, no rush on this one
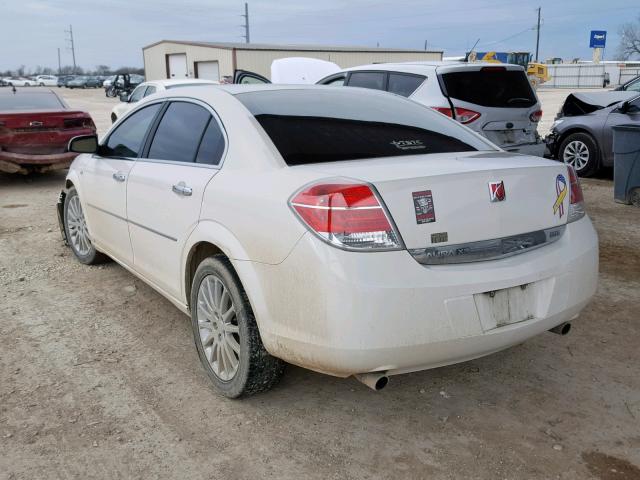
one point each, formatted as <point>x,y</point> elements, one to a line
<point>216,60</point>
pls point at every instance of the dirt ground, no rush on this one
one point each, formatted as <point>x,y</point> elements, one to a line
<point>101,380</point>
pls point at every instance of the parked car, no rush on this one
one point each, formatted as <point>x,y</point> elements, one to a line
<point>35,128</point>
<point>348,231</point>
<point>582,134</point>
<point>108,81</point>
<point>62,81</point>
<point>19,82</point>
<point>149,88</point>
<point>83,81</point>
<point>496,101</point>
<point>46,80</point>
<point>632,85</point>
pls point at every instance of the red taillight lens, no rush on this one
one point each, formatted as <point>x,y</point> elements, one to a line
<point>85,122</point>
<point>463,115</point>
<point>536,116</point>
<point>576,197</point>
<point>347,215</point>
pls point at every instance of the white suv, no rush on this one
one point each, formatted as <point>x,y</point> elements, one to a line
<point>495,100</point>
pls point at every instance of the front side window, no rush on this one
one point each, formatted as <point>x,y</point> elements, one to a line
<point>405,85</point>
<point>373,80</point>
<point>179,132</point>
<point>312,126</point>
<point>335,81</point>
<point>150,90</point>
<point>126,140</point>
<point>137,94</point>
<point>634,86</point>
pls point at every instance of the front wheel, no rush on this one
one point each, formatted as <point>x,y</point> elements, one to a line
<point>75,227</point>
<point>226,333</point>
<point>581,152</point>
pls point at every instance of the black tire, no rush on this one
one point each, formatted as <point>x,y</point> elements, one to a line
<point>568,146</point>
<point>257,370</point>
<point>93,256</point>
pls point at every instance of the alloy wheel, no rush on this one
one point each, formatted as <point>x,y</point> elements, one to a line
<point>576,154</point>
<point>218,327</point>
<point>77,226</point>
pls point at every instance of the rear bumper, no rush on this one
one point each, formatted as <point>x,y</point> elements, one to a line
<point>24,163</point>
<point>343,313</point>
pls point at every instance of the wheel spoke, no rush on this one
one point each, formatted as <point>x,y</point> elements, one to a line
<point>231,328</point>
<point>226,317</point>
<point>233,343</point>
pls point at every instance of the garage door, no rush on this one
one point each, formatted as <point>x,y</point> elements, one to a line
<point>208,70</point>
<point>177,65</point>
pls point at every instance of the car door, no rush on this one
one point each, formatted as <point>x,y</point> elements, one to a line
<point>618,117</point>
<point>165,188</point>
<point>104,183</point>
<point>244,77</point>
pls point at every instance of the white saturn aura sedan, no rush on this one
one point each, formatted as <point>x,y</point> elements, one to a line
<point>345,230</point>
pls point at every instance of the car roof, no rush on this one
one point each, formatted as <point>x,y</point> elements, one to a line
<point>417,67</point>
<point>185,81</point>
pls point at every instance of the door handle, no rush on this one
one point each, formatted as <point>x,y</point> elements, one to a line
<point>119,177</point>
<point>182,189</point>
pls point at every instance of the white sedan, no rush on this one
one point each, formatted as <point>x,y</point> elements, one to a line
<point>348,231</point>
<point>145,89</point>
<point>46,80</point>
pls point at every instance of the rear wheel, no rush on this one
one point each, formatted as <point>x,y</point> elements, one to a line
<point>581,152</point>
<point>75,227</point>
<point>226,334</point>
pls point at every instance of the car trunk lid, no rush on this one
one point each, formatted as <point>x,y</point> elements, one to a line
<point>447,199</point>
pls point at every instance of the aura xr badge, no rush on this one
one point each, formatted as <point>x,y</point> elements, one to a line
<point>497,192</point>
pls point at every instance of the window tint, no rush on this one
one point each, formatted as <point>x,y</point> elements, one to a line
<point>250,80</point>
<point>491,87</point>
<point>373,80</point>
<point>30,101</point>
<point>310,126</point>
<point>212,145</point>
<point>179,132</point>
<point>633,87</point>
<point>404,85</point>
<point>126,140</point>
<point>150,90</point>
<point>137,94</point>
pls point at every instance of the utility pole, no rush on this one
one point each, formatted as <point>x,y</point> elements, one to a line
<point>72,46</point>
<point>425,45</point>
<point>59,65</point>
<point>538,35</point>
<point>246,23</point>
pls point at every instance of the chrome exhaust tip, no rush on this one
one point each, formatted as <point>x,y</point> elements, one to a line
<point>562,329</point>
<point>375,380</point>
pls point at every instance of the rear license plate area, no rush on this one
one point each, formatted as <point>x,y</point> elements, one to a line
<point>498,308</point>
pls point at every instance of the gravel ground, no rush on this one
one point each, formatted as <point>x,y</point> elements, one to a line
<point>101,380</point>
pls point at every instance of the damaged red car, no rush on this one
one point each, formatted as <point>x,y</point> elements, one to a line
<point>35,129</point>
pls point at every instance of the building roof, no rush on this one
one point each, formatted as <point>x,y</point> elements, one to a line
<point>285,47</point>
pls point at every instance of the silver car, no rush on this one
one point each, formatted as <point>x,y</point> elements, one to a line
<point>495,100</point>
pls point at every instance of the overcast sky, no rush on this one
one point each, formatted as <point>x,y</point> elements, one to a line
<point>113,32</point>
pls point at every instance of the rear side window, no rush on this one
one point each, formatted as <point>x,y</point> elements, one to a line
<point>404,85</point>
<point>491,87</point>
<point>212,145</point>
<point>312,125</point>
<point>179,132</point>
<point>126,140</point>
<point>373,80</point>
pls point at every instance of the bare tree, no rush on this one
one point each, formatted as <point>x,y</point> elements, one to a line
<point>629,40</point>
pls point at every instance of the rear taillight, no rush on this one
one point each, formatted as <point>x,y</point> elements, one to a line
<point>463,115</point>
<point>536,116</point>
<point>84,122</point>
<point>576,198</point>
<point>347,215</point>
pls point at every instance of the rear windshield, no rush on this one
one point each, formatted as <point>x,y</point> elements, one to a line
<point>491,87</point>
<point>317,125</point>
<point>29,101</point>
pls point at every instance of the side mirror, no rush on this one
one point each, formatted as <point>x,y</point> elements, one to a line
<point>83,144</point>
<point>624,107</point>
<point>124,97</point>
